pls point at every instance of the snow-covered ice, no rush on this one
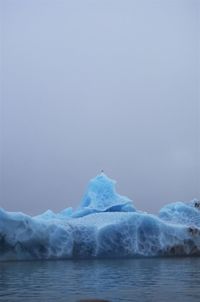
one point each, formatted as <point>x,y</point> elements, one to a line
<point>105,225</point>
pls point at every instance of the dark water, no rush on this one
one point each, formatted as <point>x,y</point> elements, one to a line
<point>166,279</point>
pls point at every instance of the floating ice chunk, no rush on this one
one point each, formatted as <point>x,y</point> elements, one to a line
<point>105,225</point>
<point>107,234</point>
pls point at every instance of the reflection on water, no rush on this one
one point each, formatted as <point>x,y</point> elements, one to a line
<point>159,279</point>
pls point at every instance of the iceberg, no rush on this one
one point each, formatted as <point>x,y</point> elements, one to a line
<point>106,225</point>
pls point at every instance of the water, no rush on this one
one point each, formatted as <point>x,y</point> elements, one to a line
<point>160,279</point>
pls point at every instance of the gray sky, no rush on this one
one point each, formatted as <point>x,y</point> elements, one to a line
<point>98,84</point>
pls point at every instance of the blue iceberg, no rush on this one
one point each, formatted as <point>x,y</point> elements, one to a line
<point>106,225</point>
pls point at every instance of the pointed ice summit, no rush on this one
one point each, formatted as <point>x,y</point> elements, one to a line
<point>101,196</point>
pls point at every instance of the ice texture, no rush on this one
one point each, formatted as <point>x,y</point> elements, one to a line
<point>182,213</point>
<point>101,196</point>
<point>106,225</point>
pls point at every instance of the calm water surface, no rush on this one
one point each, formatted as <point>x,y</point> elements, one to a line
<point>175,279</point>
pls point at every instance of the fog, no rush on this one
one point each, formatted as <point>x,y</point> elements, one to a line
<point>91,85</point>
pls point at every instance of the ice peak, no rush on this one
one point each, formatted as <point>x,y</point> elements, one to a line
<point>101,194</point>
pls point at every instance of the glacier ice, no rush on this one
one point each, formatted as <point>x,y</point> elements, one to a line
<point>101,196</point>
<point>106,225</point>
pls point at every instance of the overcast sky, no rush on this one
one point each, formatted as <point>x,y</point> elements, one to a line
<point>98,84</point>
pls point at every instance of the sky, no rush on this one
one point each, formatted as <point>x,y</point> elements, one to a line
<point>91,85</point>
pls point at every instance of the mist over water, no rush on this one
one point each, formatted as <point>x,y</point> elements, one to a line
<point>98,84</point>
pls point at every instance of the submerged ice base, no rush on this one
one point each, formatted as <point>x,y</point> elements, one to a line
<point>106,225</point>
